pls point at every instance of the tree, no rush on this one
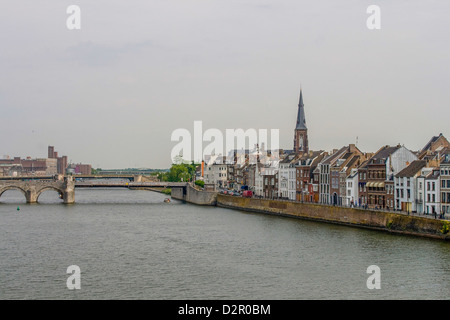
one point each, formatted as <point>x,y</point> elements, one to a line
<point>179,171</point>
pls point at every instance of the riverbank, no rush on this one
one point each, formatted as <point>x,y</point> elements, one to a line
<point>166,191</point>
<point>371,219</point>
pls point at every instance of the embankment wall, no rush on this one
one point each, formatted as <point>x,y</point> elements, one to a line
<point>373,219</point>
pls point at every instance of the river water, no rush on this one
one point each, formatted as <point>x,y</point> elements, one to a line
<point>132,245</point>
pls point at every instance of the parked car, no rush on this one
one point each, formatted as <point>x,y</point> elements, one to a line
<point>247,194</point>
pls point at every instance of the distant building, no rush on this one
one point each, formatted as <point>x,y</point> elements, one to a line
<point>29,167</point>
<point>62,162</point>
<point>10,170</point>
<point>82,169</point>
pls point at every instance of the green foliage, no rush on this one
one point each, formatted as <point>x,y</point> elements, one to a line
<point>200,183</point>
<point>445,227</point>
<point>167,191</point>
<point>389,224</point>
<point>179,171</point>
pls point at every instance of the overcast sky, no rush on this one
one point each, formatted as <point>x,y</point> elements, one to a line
<point>111,93</point>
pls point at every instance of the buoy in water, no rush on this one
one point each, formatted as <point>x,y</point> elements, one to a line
<point>18,208</point>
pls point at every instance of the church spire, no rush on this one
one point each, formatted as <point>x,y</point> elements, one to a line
<point>301,120</point>
<point>301,131</point>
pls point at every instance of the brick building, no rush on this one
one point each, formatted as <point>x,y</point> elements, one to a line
<point>307,188</point>
<point>380,171</point>
<point>62,162</point>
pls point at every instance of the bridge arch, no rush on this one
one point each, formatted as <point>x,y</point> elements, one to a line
<point>58,190</point>
<point>4,189</point>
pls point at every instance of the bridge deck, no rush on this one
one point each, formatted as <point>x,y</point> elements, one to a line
<point>120,184</point>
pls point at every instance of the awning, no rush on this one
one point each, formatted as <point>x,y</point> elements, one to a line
<point>381,185</point>
<point>369,184</point>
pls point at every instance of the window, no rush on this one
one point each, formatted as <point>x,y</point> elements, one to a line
<point>433,186</point>
<point>434,197</point>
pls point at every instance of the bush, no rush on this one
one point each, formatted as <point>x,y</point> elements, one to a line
<point>167,191</point>
<point>200,183</point>
<point>445,227</point>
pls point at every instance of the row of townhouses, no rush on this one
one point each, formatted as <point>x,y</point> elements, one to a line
<point>392,178</point>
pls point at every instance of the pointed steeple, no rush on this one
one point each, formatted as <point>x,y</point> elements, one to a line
<point>301,120</point>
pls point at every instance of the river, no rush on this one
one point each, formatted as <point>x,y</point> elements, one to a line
<point>131,245</point>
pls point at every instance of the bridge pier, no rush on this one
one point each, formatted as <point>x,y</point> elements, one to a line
<point>69,190</point>
<point>31,195</point>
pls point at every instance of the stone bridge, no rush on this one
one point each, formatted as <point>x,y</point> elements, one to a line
<point>32,189</point>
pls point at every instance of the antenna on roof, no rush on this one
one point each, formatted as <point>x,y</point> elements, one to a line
<point>356,141</point>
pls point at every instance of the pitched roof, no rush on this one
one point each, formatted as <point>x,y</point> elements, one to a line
<point>412,169</point>
<point>385,152</point>
<point>428,145</point>
<point>333,157</point>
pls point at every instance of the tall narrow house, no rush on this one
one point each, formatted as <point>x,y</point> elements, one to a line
<point>301,131</point>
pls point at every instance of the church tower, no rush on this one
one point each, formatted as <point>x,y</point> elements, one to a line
<point>301,131</point>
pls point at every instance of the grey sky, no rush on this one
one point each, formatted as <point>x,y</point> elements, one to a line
<point>111,93</point>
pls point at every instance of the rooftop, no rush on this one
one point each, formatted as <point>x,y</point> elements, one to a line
<point>412,169</point>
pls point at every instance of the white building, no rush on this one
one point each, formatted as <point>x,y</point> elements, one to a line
<point>292,180</point>
<point>432,203</point>
<point>286,178</point>
<point>258,189</point>
<point>216,171</point>
<point>406,186</point>
<point>445,185</point>
<point>352,194</point>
